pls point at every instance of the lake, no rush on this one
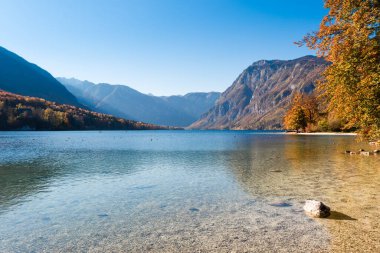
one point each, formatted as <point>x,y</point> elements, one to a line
<point>185,191</point>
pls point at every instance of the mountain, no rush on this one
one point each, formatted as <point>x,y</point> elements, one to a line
<point>30,113</point>
<point>22,77</point>
<point>125,102</point>
<point>193,104</point>
<point>261,94</point>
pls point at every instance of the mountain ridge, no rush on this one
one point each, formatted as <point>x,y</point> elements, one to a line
<point>20,76</point>
<point>19,112</point>
<point>260,95</point>
<point>126,102</point>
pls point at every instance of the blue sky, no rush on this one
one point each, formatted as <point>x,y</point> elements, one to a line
<point>163,47</point>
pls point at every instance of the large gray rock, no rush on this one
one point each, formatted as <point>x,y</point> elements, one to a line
<point>316,209</point>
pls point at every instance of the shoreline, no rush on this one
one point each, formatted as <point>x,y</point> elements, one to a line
<point>324,133</point>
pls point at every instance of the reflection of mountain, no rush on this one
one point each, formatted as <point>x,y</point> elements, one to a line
<point>21,180</point>
<point>315,167</point>
<point>287,165</point>
<point>255,162</point>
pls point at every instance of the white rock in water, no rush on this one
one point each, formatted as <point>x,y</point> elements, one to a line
<point>316,209</point>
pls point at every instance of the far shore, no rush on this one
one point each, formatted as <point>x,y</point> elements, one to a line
<point>324,133</point>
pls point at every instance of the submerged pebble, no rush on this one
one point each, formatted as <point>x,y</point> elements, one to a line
<point>143,187</point>
<point>280,204</point>
<point>46,219</point>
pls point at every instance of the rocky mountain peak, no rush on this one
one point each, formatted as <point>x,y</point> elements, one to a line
<point>260,95</point>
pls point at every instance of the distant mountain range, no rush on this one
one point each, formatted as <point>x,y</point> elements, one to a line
<point>30,113</point>
<point>22,77</point>
<point>125,102</point>
<point>261,94</point>
<point>257,99</point>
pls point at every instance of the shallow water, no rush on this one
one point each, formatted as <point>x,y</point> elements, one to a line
<point>184,191</point>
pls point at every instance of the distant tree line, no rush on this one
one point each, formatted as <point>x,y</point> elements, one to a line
<point>30,113</point>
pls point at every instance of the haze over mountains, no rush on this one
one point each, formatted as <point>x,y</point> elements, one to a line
<point>261,94</point>
<point>24,78</point>
<point>30,113</point>
<point>125,102</point>
<point>32,99</point>
<point>257,99</point>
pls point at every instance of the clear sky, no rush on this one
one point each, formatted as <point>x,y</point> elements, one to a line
<point>163,47</point>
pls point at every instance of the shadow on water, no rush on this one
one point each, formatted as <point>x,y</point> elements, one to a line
<point>20,180</point>
<point>339,216</point>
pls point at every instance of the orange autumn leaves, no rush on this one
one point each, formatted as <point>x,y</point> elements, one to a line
<point>349,39</point>
<point>303,112</point>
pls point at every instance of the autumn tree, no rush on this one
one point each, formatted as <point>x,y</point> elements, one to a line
<point>295,119</point>
<point>303,111</point>
<point>349,38</point>
<point>309,104</point>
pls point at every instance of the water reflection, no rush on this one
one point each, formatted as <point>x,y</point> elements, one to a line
<point>315,167</point>
<point>20,180</point>
<point>292,165</point>
<point>180,191</point>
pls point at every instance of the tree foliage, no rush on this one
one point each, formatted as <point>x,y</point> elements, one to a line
<point>20,112</point>
<point>295,119</point>
<point>349,38</point>
<point>300,113</point>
